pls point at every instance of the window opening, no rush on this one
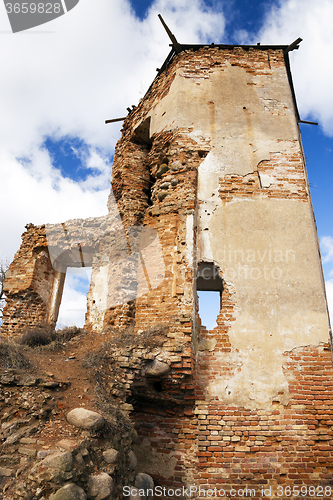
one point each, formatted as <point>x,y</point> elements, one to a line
<point>209,289</point>
<point>73,305</point>
<point>2,305</point>
<point>209,308</point>
<point>142,133</point>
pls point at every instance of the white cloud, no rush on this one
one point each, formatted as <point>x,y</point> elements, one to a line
<point>326,246</point>
<point>63,79</point>
<point>311,64</point>
<point>38,193</point>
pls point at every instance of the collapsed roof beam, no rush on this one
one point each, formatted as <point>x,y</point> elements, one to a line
<point>309,123</point>
<point>294,45</point>
<point>172,37</point>
<point>115,120</point>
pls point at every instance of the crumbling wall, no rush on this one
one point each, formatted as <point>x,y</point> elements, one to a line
<point>210,169</point>
<point>28,284</point>
<point>253,220</point>
<point>168,173</point>
<point>116,254</point>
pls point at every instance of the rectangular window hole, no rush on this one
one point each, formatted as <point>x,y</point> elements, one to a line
<point>73,305</point>
<point>209,308</point>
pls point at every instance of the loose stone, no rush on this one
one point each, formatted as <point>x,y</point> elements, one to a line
<point>90,420</point>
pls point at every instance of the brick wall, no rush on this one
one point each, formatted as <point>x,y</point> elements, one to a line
<point>282,177</point>
<point>28,282</point>
<point>214,445</point>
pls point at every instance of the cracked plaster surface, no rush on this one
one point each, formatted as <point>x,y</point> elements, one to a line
<point>280,304</point>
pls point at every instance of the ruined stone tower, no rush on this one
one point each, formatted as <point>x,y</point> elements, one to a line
<point>209,192</point>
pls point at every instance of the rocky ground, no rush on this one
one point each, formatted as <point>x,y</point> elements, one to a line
<point>65,427</point>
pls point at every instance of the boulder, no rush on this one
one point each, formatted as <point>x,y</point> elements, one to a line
<point>146,483</point>
<point>162,195</point>
<point>100,486</point>
<point>69,492</point>
<point>62,461</point>
<point>157,369</point>
<point>110,456</point>
<point>80,417</point>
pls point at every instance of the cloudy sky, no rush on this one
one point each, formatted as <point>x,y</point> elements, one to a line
<point>61,80</point>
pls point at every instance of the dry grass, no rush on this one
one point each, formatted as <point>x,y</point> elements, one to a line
<point>37,337</point>
<point>34,337</point>
<point>11,356</point>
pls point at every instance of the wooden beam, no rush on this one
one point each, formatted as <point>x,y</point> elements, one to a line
<point>172,37</point>
<point>309,123</point>
<point>115,120</point>
<point>294,45</point>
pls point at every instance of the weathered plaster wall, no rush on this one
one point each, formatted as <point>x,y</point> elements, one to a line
<point>250,401</point>
<point>272,261</point>
<point>254,219</point>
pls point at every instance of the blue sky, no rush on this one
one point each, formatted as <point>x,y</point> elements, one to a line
<point>61,80</point>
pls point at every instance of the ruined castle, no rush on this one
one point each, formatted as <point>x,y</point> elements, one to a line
<point>209,193</point>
